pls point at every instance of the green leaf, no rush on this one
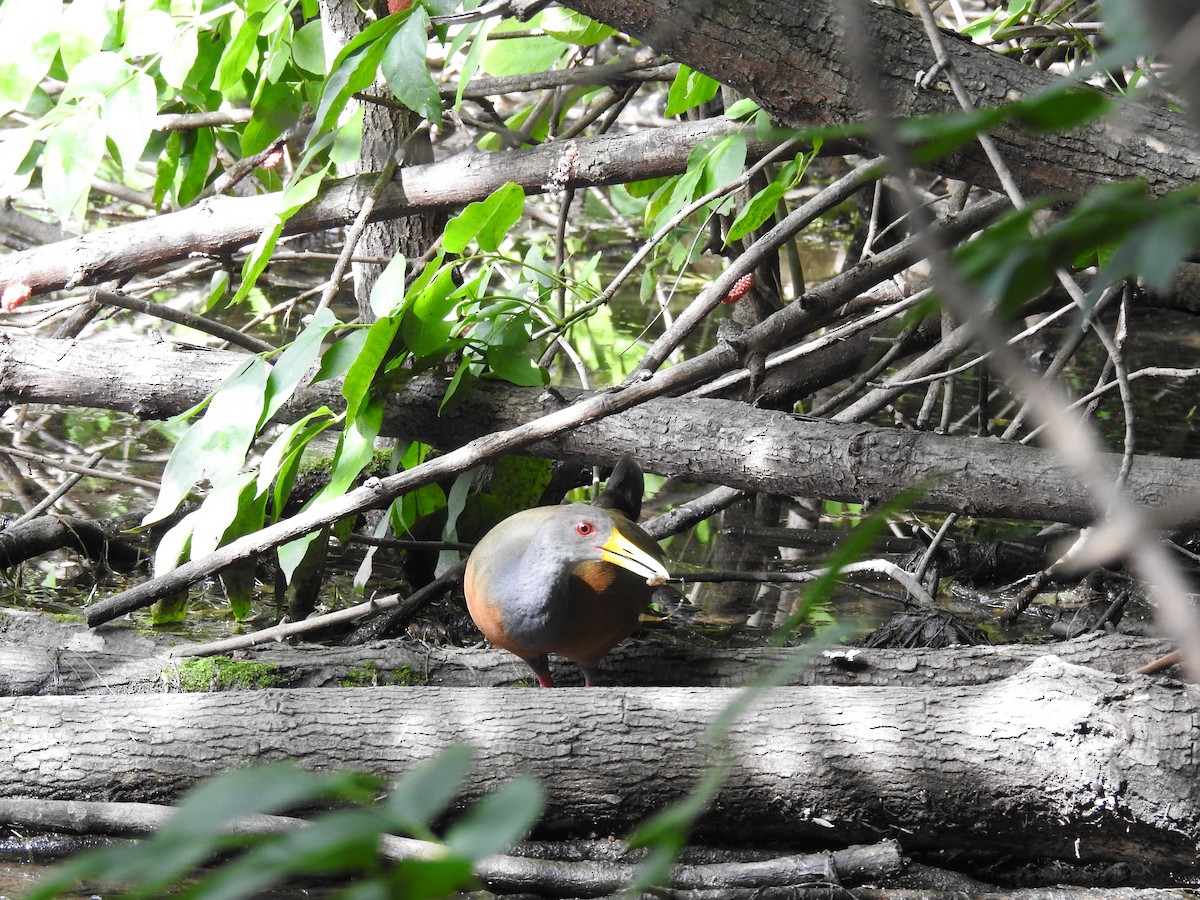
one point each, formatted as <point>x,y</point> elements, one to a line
<point>485,221</point>
<point>406,71</point>
<point>279,465</point>
<point>460,384</point>
<point>375,350</point>
<point>128,115</point>
<point>742,109</point>
<point>520,56</point>
<point>353,70</point>
<point>517,368</point>
<point>197,165</point>
<point>238,52</point>
<point>498,820</point>
<point>308,48</point>
<point>69,161</point>
<point>387,294</point>
<point>167,167</point>
<point>572,27</point>
<point>276,109</point>
<point>423,793</point>
<point>1062,110</point>
<point>689,89</point>
<point>29,39</point>
<point>355,449</point>
<point>340,355</point>
<point>292,199</point>
<point>294,363</point>
<point>428,320</point>
<point>761,207</point>
<point>216,445</point>
<point>478,32</point>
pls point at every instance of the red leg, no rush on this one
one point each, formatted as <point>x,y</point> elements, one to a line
<point>541,668</point>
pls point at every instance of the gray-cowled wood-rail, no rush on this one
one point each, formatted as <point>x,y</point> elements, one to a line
<point>570,580</point>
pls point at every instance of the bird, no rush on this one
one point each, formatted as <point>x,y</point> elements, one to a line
<point>570,580</point>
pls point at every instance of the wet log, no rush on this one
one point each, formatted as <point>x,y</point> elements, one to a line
<point>1057,761</point>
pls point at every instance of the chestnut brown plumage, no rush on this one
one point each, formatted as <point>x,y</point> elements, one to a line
<point>570,580</point>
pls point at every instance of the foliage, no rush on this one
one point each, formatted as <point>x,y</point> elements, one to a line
<point>81,89</point>
<point>343,842</point>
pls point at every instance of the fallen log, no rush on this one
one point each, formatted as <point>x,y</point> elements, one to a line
<point>717,441</point>
<point>43,656</point>
<point>504,873</point>
<point>1057,761</point>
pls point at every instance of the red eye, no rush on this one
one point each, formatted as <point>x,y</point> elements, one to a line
<point>584,528</point>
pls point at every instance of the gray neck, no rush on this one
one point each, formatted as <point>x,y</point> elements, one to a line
<point>538,611</point>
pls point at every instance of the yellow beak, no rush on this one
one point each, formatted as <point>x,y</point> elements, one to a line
<point>621,550</point>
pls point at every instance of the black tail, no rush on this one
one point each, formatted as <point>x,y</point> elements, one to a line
<point>624,489</point>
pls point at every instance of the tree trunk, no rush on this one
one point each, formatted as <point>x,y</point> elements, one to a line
<point>387,133</point>
<point>696,439</point>
<point>1057,761</point>
<point>791,58</point>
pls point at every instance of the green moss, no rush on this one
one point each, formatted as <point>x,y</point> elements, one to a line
<point>368,675</point>
<point>220,673</point>
<point>71,618</point>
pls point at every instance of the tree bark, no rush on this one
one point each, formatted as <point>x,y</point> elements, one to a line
<point>387,132</point>
<point>1058,761</point>
<point>41,656</point>
<point>790,57</point>
<point>718,441</point>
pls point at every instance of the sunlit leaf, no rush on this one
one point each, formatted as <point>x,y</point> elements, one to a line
<point>761,207</point>
<point>353,70</point>
<point>128,115</point>
<point>96,76</point>
<point>292,199</point>
<point>149,32</point>
<point>689,89</point>
<point>28,43</point>
<point>387,294</point>
<point>573,27</point>
<point>69,161</point>
<point>520,56</point>
<point>179,57</point>
<point>17,161</point>
<point>308,48</point>
<point>216,445</point>
<point>238,52</point>
<point>486,221</point>
<point>406,71</point>
<point>294,363</point>
<point>219,510</point>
